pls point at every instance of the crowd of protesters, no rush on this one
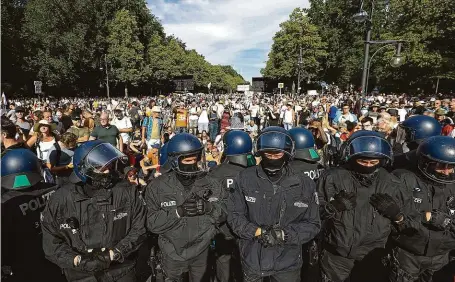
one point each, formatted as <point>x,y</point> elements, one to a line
<point>138,127</point>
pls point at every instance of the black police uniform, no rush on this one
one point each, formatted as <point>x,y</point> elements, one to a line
<point>113,219</point>
<point>349,236</point>
<point>427,247</point>
<point>22,237</point>
<point>406,160</point>
<point>291,204</point>
<point>183,241</point>
<point>225,243</point>
<point>312,170</point>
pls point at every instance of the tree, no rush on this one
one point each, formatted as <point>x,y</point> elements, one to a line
<point>295,33</point>
<point>125,51</point>
<point>427,26</point>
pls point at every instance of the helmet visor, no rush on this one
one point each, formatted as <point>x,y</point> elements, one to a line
<point>275,141</point>
<point>190,163</point>
<point>104,156</point>
<point>439,172</point>
<point>370,147</point>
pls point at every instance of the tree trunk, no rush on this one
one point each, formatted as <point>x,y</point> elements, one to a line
<point>126,90</point>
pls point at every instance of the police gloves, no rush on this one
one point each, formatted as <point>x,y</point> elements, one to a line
<point>194,206</point>
<point>271,236</point>
<point>439,220</point>
<point>95,261</point>
<point>386,206</point>
<point>342,201</point>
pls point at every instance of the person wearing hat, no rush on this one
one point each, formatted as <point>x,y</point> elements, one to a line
<point>24,126</point>
<point>440,114</point>
<point>82,133</point>
<point>44,139</point>
<point>152,127</point>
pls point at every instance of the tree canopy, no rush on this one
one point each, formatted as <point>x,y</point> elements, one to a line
<point>337,43</point>
<point>67,44</point>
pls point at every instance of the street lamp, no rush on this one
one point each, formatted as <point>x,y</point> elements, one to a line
<point>396,61</point>
<point>360,17</point>
<point>299,71</point>
<point>107,74</point>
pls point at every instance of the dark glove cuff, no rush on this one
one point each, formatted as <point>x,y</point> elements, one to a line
<point>118,256</point>
<point>330,209</point>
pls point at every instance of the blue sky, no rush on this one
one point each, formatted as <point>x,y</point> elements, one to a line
<point>228,32</point>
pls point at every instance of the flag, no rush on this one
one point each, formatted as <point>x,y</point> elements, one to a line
<point>209,85</point>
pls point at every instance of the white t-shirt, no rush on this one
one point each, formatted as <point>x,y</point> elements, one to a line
<point>203,118</point>
<point>42,151</point>
<point>402,113</point>
<point>283,109</point>
<point>254,109</point>
<point>288,116</point>
<point>124,123</point>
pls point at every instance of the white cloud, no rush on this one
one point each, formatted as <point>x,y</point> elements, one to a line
<point>222,30</point>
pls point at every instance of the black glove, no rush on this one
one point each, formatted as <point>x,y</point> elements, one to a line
<point>438,220</point>
<point>188,208</point>
<point>95,261</point>
<point>271,237</point>
<point>344,201</point>
<point>386,206</point>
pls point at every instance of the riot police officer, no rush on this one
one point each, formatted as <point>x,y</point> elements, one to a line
<point>432,186</point>
<point>24,195</point>
<point>273,211</point>
<point>238,147</point>
<point>93,226</point>
<point>306,161</point>
<point>184,209</point>
<point>416,129</point>
<point>359,203</point>
<point>306,157</point>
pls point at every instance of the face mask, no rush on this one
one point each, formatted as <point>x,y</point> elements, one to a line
<point>103,180</point>
<point>273,166</point>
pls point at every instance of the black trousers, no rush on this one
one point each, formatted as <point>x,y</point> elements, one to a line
<point>196,268</point>
<point>227,260</point>
<point>289,276</point>
<point>407,267</point>
<point>369,268</point>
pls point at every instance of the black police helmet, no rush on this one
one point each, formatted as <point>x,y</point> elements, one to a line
<point>275,138</point>
<point>420,127</point>
<point>237,146</point>
<point>304,144</point>
<point>436,159</point>
<point>368,144</point>
<point>185,145</point>
<point>21,169</point>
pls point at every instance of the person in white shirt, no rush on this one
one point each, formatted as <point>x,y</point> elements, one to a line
<point>288,119</point>
<point>254,109</point>
<point>123,124</point>
<point>203,121</point>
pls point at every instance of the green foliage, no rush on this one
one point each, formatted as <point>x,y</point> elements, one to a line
<point>295,33</point>
<point>64,44</point>
<point>427,26</point>
<point>125,51</point>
